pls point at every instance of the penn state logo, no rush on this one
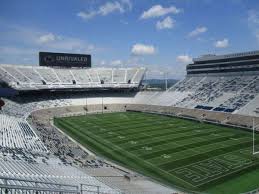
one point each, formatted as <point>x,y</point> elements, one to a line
<point>49,59</point>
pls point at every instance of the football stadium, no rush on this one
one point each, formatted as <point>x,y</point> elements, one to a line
<point>129,97</point>
<point>81,129</point>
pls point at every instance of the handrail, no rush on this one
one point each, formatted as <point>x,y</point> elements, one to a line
<point>87,185</point>
<point>38,186</point>
<point>47,186</point>
<point>27,180</point>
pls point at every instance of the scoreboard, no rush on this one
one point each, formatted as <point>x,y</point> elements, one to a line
<point>64,59</point>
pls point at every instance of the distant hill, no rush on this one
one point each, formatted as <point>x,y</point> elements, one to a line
<point>159,83</point>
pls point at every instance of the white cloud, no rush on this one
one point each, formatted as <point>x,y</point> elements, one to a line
<point>141,49</point>
<point>47,38</point>
<point>63,43</point>
<point>184,59</point>
<point>222,43</point>
<point>107,8</point>
<point>158,10</point>
<point>116,62</point>
<point>197,31</point>
<point>166,23</point>
<point>110,7</point>
<point>85,15</point>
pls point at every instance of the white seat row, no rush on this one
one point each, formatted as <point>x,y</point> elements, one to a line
<point>56,173</point>
<point>36,77</point>
<point>17,134</point>
<point>217,93</point>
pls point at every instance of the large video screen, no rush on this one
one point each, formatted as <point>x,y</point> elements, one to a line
<point>64,59</point>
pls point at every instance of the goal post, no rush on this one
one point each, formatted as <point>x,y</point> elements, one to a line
<point>255,128</point>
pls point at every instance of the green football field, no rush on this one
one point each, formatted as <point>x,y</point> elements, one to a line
<point>178,152</point>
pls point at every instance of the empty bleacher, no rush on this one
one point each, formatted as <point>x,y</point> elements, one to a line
<point>229,93</point>
<point>17,134</point>
<point>37,78</point>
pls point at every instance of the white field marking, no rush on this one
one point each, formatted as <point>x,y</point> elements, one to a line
<point>233,171</point>
<point>189,156</point>
<point>208,159</point>
<point>168,129</point>
<point>132,135</point>
<point>119,126</point>
<point>165,156</point>
<point>187,132</point>
<point>202,139</point>
<point>133,142</point>
<point>175,143</point>
<point>121,137</point>
<point>154,138</point>
<point>162,137</point>
<point>234,138</point>
<point>119,148</point>
<point>147,148</point>
<point>225,174</point>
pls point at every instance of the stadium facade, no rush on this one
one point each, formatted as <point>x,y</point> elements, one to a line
<point>246,62</point>
<point>222,89</point>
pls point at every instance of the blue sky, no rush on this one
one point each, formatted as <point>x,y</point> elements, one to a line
<point>163,35</point>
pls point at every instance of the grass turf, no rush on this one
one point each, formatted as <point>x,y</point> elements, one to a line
<point>177,152</point>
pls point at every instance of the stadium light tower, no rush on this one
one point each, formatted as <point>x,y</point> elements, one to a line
<point>166,75</point>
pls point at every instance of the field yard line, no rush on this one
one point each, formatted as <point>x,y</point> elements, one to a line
<point>203,140</point>
<point>119,148</point>
<point>119,124</point>
<point>179,130</point>
<point>141,137</point>
<point>133,134</point>
<point>159,138</point>
<point>192,155</point>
